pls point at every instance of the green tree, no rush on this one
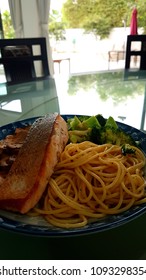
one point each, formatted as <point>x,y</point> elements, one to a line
<point>56,26</point>
<point>141,7</point>
<point>7,25</point>
<point>100,17</point>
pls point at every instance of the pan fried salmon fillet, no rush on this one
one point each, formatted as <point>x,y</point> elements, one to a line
<point>34,164</point>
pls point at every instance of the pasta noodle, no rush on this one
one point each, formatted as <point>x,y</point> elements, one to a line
<point>91,181</point>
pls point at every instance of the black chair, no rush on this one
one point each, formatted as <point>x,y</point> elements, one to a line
<point>138,55</point>
<point>20,58</point>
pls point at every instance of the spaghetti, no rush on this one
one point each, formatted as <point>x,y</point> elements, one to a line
<point>91,181</point>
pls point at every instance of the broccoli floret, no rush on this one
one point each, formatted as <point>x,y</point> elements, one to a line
<point>73,123</point>
<point>115,136</point>
<point>106,122</point>
<point>97,130</point>
<point>127,149</point>
<point>125,138</point>
<point>83,118</point>
<point>91,122</point>
<point>95,135</point>
<point>82,123</point>
<point>81,131</point>
<point>101,119</point>
<point>107,135</point>
<point>110,122</point>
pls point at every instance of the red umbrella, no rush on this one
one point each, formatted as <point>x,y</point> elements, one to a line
<point>133,23</point>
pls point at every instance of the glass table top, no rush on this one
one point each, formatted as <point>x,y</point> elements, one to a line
<point>26,100</point>
<point>107,93</point>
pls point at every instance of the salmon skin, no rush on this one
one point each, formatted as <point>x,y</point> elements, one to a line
<point>29,174</point>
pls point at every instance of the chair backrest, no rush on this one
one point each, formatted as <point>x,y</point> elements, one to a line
<point>136,51</point>
<point>20,58</point>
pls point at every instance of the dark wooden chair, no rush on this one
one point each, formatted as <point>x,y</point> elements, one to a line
<point>20,58</point>
<point>137,55</point>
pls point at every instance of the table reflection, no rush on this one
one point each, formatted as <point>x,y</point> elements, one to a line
<point>107,93</point>
<point>27,100</point>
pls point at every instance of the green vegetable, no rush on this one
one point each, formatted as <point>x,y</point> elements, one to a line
<point>73,123</point>
<point>98,130</point>
<point>101,119</point>
<point>111,123</point>
<point>81,129</point>
<point>91,122</point>
<point>127,149</point>
<point>115,136</point>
